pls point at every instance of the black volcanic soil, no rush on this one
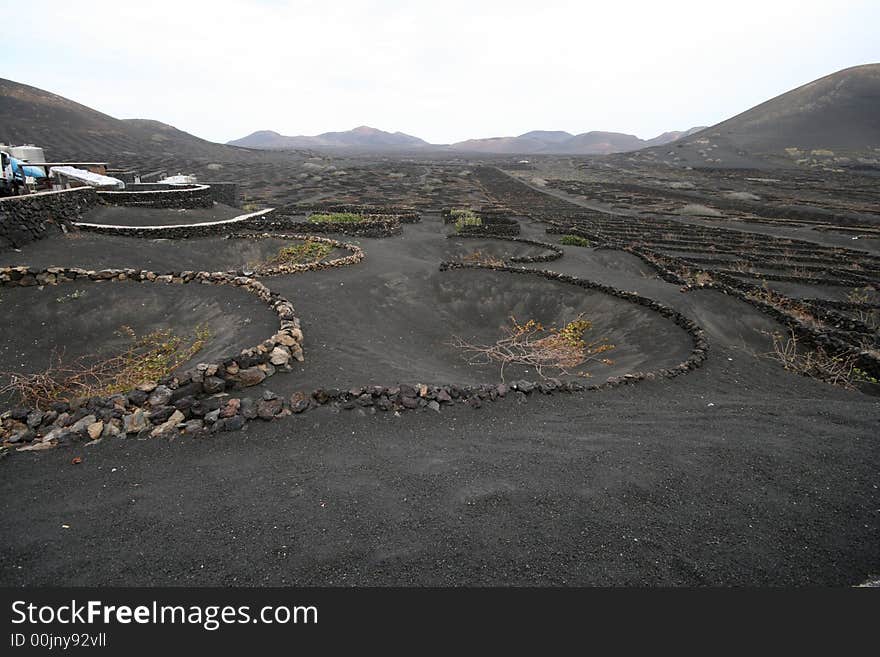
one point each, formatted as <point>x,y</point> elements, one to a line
<point>771,484</point>
<point>392,318</point>
<point>84,319</point>
<point>457,248</point>
<point>96,251</point>
<point>739,473</point>
<point>133,216</point>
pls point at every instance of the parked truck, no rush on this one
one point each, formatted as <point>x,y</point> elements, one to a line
<point>8,182</point>
<point>15,174</point>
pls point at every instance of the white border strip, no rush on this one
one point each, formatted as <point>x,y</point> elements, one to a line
<point>48,192</point>
<point>239,218</point>
<point>194,187</point>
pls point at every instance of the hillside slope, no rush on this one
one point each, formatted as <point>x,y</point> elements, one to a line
<point>70,131</point>
<point>832,121</point>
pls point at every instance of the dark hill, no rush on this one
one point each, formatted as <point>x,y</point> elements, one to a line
<point>601,142</point>
<point>832,121</point>
<point>70,131</point>
<point>838,112</point>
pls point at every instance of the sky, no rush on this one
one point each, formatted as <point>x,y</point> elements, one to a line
<point>444,71</point>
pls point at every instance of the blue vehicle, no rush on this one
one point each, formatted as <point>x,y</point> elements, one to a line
<point>8,185</point>
<point>13,174</point>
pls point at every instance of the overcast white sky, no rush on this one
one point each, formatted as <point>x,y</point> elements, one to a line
<point>443,71</point>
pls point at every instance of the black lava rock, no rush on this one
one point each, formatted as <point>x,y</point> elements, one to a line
<point>161,413</point>
<point>213,385</point>
<point>248,408</point>
<point>189,390</point>
<point>233,423</point>
<point>137,397</point>
<point>184,403</point>
<point>269,408</point>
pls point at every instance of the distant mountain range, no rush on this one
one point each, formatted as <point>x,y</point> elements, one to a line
<point>362,137</point>
<point>835,119</point>
<point>534,142</point>
<point>559,142</point>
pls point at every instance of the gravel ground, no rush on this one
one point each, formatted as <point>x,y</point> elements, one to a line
<point>736,474</point>
<point>134,216</point>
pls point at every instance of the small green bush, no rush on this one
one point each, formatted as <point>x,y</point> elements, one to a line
<point>337,218</point>
<point>76,294</point>
<point>465,218</point>
<point>575,240</point>
<point>862,375</point>
<point>297,254</point>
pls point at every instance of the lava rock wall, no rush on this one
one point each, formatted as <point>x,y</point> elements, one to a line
<point>24,219</point>
<point>226,193</point>
<point>162,196</point>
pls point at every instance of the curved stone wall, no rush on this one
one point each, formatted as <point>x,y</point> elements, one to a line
<point>555,252</point>
<point>161,407</point>
<point>403,213</point>
<point>178,230</point>
<point>24,219</point>
<point>158,195</point>
<point>357,254</point>
<point>197,401</point>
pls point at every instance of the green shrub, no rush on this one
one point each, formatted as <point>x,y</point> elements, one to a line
<point>295,254</point>
<point>575,240</point>
<point>337,218</point>
<point>465,218</point>
<point>862,375</point>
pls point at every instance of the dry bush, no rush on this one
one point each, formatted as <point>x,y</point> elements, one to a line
<point>558,351</point>
<point>870,317</point>
<point>799,271</point>
<point>480,258</point>
<point>702,278</point>
<point>839,370</point>
<point>741,266</point>
<point>866,296</point>
<point>785,305</point>
<point>694,278</point>
<point>149,358</point>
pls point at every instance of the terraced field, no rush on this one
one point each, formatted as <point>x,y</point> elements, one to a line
<point>334,416</point>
